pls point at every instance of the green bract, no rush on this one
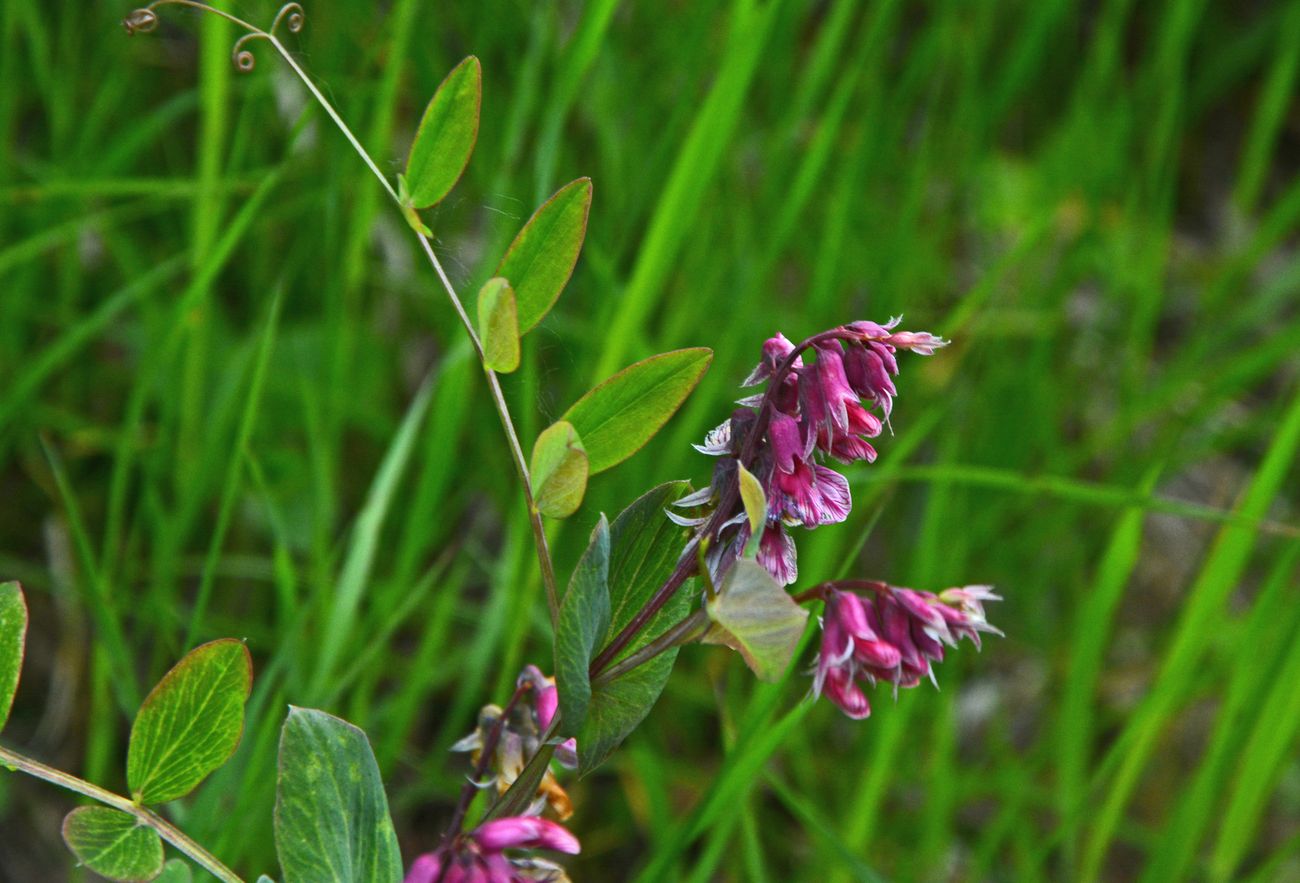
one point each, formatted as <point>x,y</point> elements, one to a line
<point>755,503</point>
<point>753,615</point>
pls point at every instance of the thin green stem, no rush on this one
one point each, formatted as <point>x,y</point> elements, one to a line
<point>494,385</point>
<point>147,817</point>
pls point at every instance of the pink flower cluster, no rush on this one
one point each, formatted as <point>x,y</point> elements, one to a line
<point>812,411</point>
<point>895,635</point>
<point>479,857</point>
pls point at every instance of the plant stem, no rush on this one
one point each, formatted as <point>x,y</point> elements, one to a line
<point>494,385</point>
<point>470,788</point>
<point>146,817</point>
<point>683,632</point>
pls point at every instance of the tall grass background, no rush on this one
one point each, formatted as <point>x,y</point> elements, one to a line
<point>234,403</point>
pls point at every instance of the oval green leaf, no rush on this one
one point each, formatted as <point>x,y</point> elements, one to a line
<point>498,325</point>
<point>190,723</point>
<point>644,547</point>
<point>755,616</point>
<point>558,471</point>
<point>446,136</point>
<point>13,638</point>
<point>331,815</point>
<point>113,844</point>
<point>617,418</point>
<point>584,619</point>
<point>543,255</point>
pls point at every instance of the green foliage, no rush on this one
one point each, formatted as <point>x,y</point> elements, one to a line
<point>445,140</point>
<point>1107,235</point>
<point>644,548</point>
<point>113,844</point>
<point>617,418</point>
<point>584,619</point>
<point>175,871</point>
<point>755,616</point>
<point>13,638</point>
<point>558,470</point>
<point>331,815</point>
<point>542,257</point>
<point>190,723</point>
<point>498,325</point>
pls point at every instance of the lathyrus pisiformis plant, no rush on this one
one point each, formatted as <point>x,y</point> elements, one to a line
<point>677,566</point>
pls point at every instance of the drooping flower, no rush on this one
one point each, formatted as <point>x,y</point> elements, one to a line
<point>519,737</point>
<point>816,410</point>
<point>546,701</point>
<point>894,635</point>
<point>480,856</point>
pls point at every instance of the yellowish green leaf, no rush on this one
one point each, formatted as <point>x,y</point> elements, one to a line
<point>498,325</point>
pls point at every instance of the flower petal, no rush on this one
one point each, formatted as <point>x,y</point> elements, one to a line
<point>525,832</point>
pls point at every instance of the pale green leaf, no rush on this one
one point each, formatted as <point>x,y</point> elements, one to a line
<point>755,616</point>
<point>113,844</point>
<point>446,136</point>
<point>331,815</point>
<point>13,638</point>
<point>617,418</point>
<point>190,723</point>
<point>541,259</point>
<point>584,619</point>
<point>498,325</point>
<point>755,503</point>
<point>559,470</point>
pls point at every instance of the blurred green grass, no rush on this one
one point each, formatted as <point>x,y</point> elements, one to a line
<point>213,337</point>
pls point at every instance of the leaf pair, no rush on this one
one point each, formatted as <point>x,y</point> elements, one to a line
<point>188,726</point>
<point>609,424</point>
<point>541,259</point>
<point>623,566</point>
<point>533,273</point>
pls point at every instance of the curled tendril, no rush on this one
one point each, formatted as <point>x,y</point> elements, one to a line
<point>296,17</point>
<point>140,21</point>
<point>145,20</point>
<point>243,59</point>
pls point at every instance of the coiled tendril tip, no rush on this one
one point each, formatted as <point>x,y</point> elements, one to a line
<point>296,18</point>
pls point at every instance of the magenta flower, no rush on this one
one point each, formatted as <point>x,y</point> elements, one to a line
<point>895,636</point>
<point>546,701</point>
<point>479,857</point>
<point>816,410</point>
